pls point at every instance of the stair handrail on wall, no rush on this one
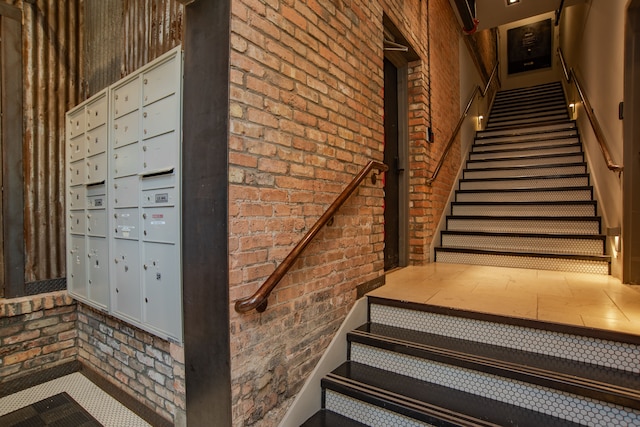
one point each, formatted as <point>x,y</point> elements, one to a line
<point>477,90</point>
<point>259,299</point>
<point>570,76</point>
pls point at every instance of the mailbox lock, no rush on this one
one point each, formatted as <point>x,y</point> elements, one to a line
<point>144,114</point>
<point>144,148</point>
<point>115,260</point>
<point>115,215</point>
<point>146,300</point>
<point>117,290</point>
<point>144,216</point>
<point>145,232</point>
<point>145,266</point>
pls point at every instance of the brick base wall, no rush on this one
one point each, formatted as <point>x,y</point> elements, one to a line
<point>148,368</point>
<point>36,333</point>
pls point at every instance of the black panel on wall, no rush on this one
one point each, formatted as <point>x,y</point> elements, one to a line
<point>204,228</point>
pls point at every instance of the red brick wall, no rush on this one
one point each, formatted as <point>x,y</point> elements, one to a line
<point>148,368</point>
<point>306,115</point>
<point>36,333</point>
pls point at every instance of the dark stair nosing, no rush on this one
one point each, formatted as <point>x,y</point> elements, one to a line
<point>523,254</point>
<point>325,418</point>
<point>581,331</point>
<point>550,203</point>
<point>428,402</point>
<point>524,122</point>
<point>584,379</point>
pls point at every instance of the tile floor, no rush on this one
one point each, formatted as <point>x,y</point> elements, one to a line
<point>595,301</point>
<point>108,411</point>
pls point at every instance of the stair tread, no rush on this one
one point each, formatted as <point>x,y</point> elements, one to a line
<point>433,400</point>
<point>325,418</point>
<point>538,166</point>
<point>600,379</point>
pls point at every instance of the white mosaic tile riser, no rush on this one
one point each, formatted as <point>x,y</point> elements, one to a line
<point>530,152</point>
<point>511,143</point>
<point>470,174</point>
<point>600,352</point>
<point>524,183</point>
<point>568,406</point>
<point>530,244</point>
<point>366,413</point>
<point>535,263</point>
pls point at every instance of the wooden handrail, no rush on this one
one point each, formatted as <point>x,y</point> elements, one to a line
<point>570,75</point>
<point>472,98</point>
<point>259,299</point>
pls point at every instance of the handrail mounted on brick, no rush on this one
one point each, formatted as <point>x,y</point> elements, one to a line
<point>259,299</point>
<point>570,75</point>
<point>477,90</point>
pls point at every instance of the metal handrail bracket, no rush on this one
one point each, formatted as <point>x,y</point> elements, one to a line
<point>259,299</point>
<point>570,76</point>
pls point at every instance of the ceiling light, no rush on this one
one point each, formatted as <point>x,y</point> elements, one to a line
<point>510,2</point>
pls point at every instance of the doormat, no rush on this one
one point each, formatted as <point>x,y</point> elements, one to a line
<point>55,411</point>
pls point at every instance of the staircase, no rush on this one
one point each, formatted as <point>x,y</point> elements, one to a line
<point>420,365</point>
<point>524,201</point>
<point>525,198</point>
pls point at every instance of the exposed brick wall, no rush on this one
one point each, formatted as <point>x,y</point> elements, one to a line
<point>149,369</point>
<point>36,333</point>
<point>306,115</point>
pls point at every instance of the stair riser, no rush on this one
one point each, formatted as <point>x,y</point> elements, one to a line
<point>484,148</point>
<point>540,136</point>
<point>524,226</point>
<point>545,90</point>
<point>518,393</point>
<point>525,122</point>
<point>515,261</point>
<point>525,244</point>
<point>525,101</point>
<point>531,161</point>
<point>557,107</point>
<point>543,151</point>
<point>525,196</point>
<point>523,114</point>
<point>623,356</point>
<point>524,210</point>
<point>519,172</point>
<point>366,413</point>
<point>526,130</point>
<point>525,183</point>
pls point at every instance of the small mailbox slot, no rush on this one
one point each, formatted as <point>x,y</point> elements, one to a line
<point>96,113</point>
<point>98,270</point>
<point>77,148</point>
<point>77,222</point>
<point>126,160</point>
<point>77,197</point>
<point>126,97</point>
<point>78,172</point>
<point>160,117</point>
<point>160,82</point>
<point>160,225</point>
<point>126,191</point>
<point>96,140</point>
<point>97,168</point>
<point>127,223</point>
<point>126,129</point>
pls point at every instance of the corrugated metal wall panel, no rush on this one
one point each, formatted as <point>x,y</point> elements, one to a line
<point>72,49</point>
<point>103,44</point>
<point>151,29</point>
<point>51,39</point>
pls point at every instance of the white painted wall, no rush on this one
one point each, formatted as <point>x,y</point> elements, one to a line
<point>592,39</point>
